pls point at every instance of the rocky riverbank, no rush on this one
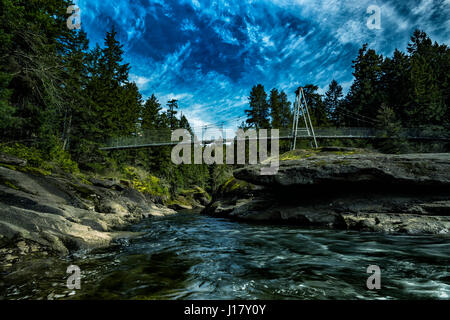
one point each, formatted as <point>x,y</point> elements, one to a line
<point>345,189</point>
<point>43,215</point>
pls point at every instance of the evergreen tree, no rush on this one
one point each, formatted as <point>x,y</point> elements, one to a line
<point>395,83</point>
<point>280,110</point>
<point>7,111</point>
<point>258,114</point>
<point>333,98</point>
<point>31,70</point>
<point>184,124</point>
<point>172,107</point>
<point>108,88</point>
<point>275,108</point>
<point>75,60</point>
<point>429,81</point>
<point>316,106</point>
<point>131,104</point>
<point>392,141</point>
<point>285,111</point>
<point>113,71</point>
<point>365,96</point>
<point>151,118</point>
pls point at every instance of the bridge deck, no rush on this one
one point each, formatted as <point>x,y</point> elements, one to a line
<point>159,138</point>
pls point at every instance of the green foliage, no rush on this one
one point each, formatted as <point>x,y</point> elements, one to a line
<point>258,114</point>
<point>150,118</point>
<point>63,160</point>
<point>280,110</point>
<point>172,107</point>
<point>34,156</point>
<point>392,142</point>
<point>364,97</point>
<point>414,85</point>
<point>195,192</point>
<point>144,182</point>
<point>233,186</point>
<point>316,106</point>
<point>332,101</point>
<point>40,162</point>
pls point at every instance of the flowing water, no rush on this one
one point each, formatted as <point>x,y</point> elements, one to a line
<point>190,256</point>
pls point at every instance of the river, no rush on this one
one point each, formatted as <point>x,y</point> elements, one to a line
<point>190,256</point>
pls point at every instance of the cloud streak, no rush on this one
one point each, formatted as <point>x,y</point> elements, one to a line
<point>210,53</point>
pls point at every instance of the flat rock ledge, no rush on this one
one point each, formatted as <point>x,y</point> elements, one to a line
<point>50,215</point>
<point>367,192</point>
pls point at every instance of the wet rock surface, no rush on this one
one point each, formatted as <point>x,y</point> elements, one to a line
<point>57,215</point>
<point>367,192</point>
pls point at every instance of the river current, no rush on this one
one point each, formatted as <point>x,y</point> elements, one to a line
<point>190,256</point>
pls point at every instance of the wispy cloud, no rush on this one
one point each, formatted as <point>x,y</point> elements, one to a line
<point>209,53</point>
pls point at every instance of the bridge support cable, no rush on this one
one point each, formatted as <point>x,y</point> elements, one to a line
<point>301,109</point>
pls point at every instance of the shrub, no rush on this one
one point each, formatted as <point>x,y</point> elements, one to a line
<point>38,160</point>
<point>144,182</point>
<point>63,160</point>
<point>34,157</point>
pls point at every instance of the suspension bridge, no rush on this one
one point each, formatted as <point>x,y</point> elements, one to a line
<point>157,138</point>
<point>216,133</point>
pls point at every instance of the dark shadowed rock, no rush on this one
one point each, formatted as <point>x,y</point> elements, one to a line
<point>108,184</point>
<point>370,192</point>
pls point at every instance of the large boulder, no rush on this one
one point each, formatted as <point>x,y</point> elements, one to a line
<point>370,192</point>
<point>416,169</point>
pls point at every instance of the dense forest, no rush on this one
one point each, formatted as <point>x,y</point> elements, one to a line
<point>60,101</point>
<point>407,90</point>
<point>410,89</point>
<point>64,100</point>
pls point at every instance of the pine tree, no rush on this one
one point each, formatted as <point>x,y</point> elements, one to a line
<point>285,111</point>
<point>172,106</point>
<point>151,118</point>
<point>390,131</point>
<point>131,104</point>
<point>115,100</point>
<point>280,109</point>
<point>75,60</point>
<point>429,81</point>
<point>7,111</point>
<point>365,95</point>
<point>258,114</point>
<point>316,106</point>
<point>395,83</point>
<point>184,124</point>
<point>333,98</point>
<point>31,68</point>
<point>275,108</point>
<point>113,72</point>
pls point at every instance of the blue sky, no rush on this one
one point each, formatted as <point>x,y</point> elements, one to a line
<point>208,54</point>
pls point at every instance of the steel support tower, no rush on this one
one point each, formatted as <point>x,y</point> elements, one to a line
<point>301,110</point>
